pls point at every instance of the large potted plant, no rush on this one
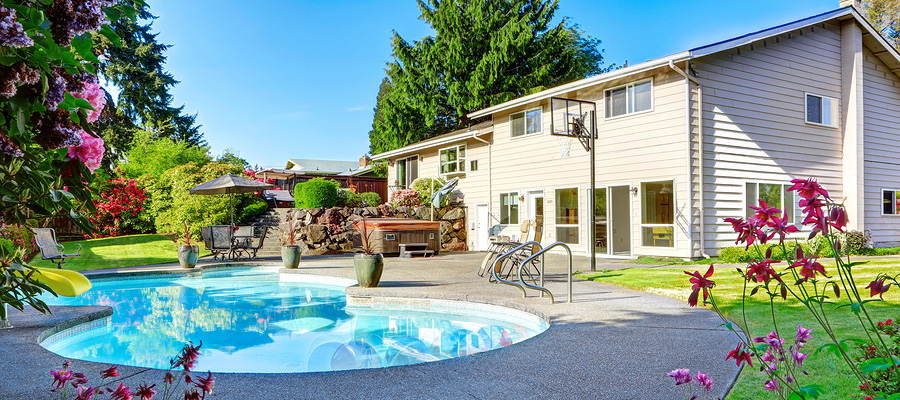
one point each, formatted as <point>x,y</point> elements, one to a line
<point>290,251</point>
<point>188,254</point>
<point>367,263</point>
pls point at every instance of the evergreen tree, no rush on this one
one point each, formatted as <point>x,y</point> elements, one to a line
<point>885,16</point>
<point>484,52</point>
<point>137,68</point>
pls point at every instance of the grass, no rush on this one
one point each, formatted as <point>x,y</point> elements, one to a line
<point>825,369</point>
<point>118,252</point>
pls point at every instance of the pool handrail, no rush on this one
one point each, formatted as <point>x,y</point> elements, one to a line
<point>505,255</point>
<point>541,254</point>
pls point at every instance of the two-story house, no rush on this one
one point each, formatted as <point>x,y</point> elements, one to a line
<point>686,140</point>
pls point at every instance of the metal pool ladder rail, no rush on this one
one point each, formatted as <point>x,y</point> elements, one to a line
<point>522,284</point>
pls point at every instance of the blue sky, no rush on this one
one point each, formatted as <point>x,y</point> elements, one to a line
<point>281,79</point>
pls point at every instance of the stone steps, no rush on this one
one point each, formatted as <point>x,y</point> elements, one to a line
<point>272,218</point>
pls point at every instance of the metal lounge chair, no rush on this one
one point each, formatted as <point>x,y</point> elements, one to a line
<point>251,250</point>
<point>220,241</point>
<point>50,249</point>
<point>207,240</point>
<point>500,247</point>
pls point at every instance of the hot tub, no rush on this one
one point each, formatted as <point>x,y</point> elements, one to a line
<point>387,234</point>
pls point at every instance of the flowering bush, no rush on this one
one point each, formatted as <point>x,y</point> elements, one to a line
<point>881,380</point>
<point>119,209</point>
<point>194,387</point>
<point>405,198</point>
<point>426,188</point>
<point>807,281</point>
<point>20,235</point>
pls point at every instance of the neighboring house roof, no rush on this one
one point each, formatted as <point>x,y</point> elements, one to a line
<point>871,38</point>
<point>457,135</point>
<point>320,167</point>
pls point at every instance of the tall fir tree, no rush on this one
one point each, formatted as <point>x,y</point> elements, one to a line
<point>137,68</point>
<point>885,16</point>
<point>484,52</point>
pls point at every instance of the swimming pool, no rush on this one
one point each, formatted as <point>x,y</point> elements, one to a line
<point>257,320</point>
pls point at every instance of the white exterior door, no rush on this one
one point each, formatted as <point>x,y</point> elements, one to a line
<point>482,224</point>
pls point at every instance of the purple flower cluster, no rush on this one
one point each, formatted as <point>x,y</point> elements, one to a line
<point>683,377</point>
<point>776,354</point>
<point>69,18</point>
<point>55,129</point>
<point>18,73</point>
<point>11,32</point>
<point>8,147</point>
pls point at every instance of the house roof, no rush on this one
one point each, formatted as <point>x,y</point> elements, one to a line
<point>871,38</point>
<point>457,135</point>
<point>320,167</point>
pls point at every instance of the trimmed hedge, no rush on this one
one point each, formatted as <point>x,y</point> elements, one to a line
<point>316,192</point>
<point>371,199</point>
<point>347,198</point>
<point>252,207</point>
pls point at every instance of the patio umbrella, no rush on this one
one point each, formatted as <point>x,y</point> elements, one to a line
<point>445,190</point>
<point>230,184</point>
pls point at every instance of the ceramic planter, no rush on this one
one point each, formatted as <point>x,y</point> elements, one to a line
<point>290,256</point>
<point>188,255</point>
<point>368,269</point>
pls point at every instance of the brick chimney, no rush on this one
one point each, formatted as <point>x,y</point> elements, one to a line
<point>855,3</point>
<point>364,161</point>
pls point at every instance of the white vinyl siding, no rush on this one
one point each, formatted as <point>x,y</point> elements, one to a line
<point>525,123</point>
<point>821,110</point>
<point>629,99</point>
<point>453,160</point>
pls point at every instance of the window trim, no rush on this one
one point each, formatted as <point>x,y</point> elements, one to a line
<point>881,200</point>
<point>576,225</point>
<point>606,117</point>
<point>836,116</point>
<point>518,206</point>
<point>525,113</point>
<point>403,185</point>
<point>674,224</point>
<point>798,217</point>
<point>464,160</point>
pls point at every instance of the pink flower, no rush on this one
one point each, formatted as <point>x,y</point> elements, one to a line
<point>60,378</point>
<point>802,334</point>
<point>808,268</point>
<point>762,271</point>
<point>109,373</point>
<point>681,375</point>
<point>764,212</point>
<point>705,381</point>
<point>95,95</point>
<point>739,354</point>
<point>700,282</point>
<point>808,188</point>
<point>838,217</point>
<point>90,152</point>
<point>86,393</point>
<point>877,287</point>
<point>121,393</point>
<point>772,386</point>
<point>205,384</point>
<point>145,392</point>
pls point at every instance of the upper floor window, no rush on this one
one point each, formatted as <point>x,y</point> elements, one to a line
<point>453,159</point>
<point>525,123</point>
<point>821,110</point>
<point>407,171</point>
<point>890,203</point>
<point>629,99</point>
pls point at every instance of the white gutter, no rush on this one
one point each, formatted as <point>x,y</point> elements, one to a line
<point>687,82</point>
<point>431,143</point>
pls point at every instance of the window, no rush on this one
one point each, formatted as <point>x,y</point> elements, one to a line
<point>509,208</point>
<point>821,110</point>
<point>453,160</point>
<point>890,202</point>
<point>407,171</point>
<point>567,215</point>
<point>658,214</point>
<point>525,123</point>
<point>629,99</point>
<point>473,165</point>
<point>775,195</point>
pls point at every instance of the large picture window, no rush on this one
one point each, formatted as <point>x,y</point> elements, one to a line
<point>509,208</point>
<point>658,214</point>
<point>775,195</point>
<point>890,201</point>
<point>629,99</point>
<point>525,123</point>
<point>821,110</point>
<point>453,160</point>
<point>567,215</point>
<point>407,171</point>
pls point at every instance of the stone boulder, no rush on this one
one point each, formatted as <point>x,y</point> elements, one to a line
<point>317,233</point>
<point>454,214</point>
<point>385,210</point>
<point>331,216</point>
<point>455,245</point>
<point>423,213</point>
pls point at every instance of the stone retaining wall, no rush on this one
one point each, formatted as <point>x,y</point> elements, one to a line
<point>329,230</point>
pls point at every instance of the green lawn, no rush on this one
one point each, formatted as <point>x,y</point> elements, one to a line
<point>118,252</point>
<point>825,369</point>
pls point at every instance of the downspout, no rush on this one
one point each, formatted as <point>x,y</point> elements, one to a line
<point>687,80</point>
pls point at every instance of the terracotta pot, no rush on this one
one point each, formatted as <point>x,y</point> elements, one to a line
<point>290,256</point>
<point>368,269</point>
<point>188,256</point>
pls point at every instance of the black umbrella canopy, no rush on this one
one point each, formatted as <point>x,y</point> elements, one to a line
<point>229,184</point>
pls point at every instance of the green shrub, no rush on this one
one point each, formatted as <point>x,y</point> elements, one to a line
<point>347,198</point>
<point>739,255</point>
<point>424,187</point>
<point>298,198</point>
<point>733,255</point>
<point>318,192</point>
<point>857,241</point>
<point>252,207</point>
<point>371,199</point>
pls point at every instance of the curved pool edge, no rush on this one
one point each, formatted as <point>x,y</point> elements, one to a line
<point>82,321</point>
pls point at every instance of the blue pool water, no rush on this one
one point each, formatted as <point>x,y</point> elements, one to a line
<point>257,320</point>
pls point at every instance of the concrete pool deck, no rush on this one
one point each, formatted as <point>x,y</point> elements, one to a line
<point>609,343</point>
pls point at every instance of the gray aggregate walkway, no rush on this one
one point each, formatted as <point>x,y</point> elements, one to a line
<point>610,343</point>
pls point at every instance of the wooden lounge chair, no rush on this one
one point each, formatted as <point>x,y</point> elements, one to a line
<point>50,249</point>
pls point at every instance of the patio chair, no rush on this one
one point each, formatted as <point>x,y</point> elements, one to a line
<point>50,249</point>
<point>204,234</point>
<point>251,250</point>
<point>220,241</point>
<point>501,245</point>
